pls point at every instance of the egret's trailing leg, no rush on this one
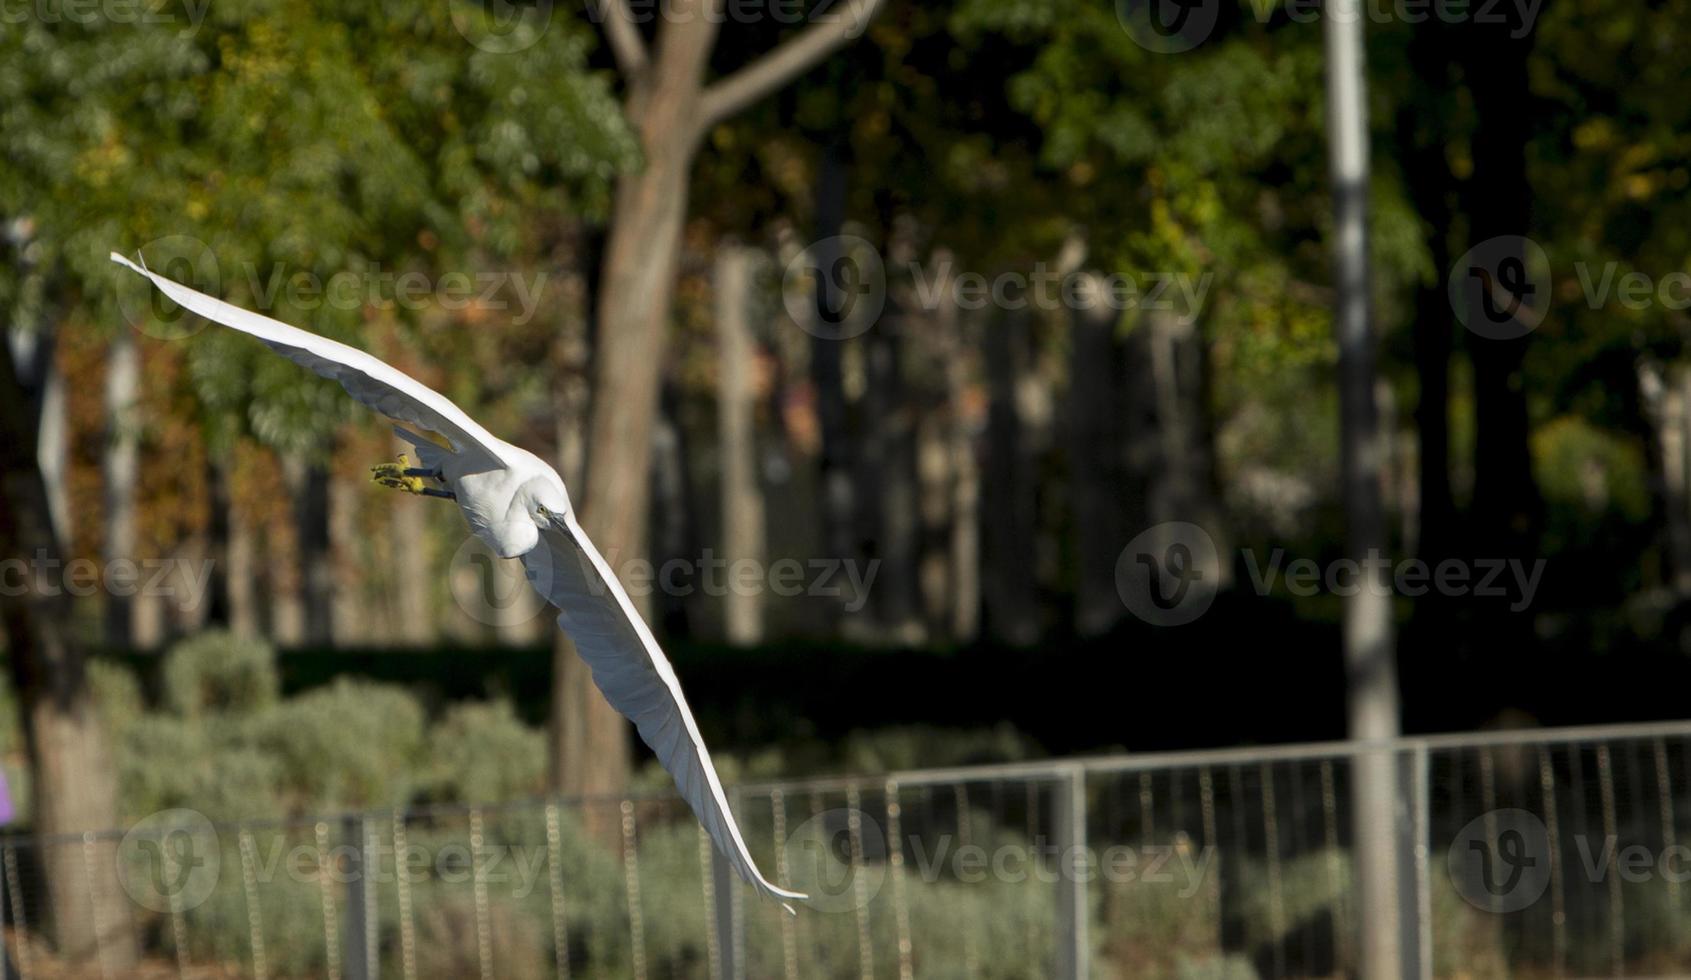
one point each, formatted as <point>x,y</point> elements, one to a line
<point>399,476</point>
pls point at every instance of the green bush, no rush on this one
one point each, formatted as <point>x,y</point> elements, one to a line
<point>482,752</point>
<point>217,671</point>
<point>351,744</point>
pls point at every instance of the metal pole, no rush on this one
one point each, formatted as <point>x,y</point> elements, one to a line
<point>356,961</point>
<point>1370,659</point>
<point>727,914</point>
<point>1073,945</point>
<point>1415,849</point>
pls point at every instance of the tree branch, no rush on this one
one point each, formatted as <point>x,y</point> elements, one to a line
<point>766,75</point>
<point>623,35</point>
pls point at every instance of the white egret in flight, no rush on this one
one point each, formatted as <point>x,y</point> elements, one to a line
<point>517,504</point>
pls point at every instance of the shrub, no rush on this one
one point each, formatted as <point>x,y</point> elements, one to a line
<point>351,744</point>
<point>481,752</point>
<point>216,671</point>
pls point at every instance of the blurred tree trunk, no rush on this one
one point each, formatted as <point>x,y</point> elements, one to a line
<point>1095,414</point>
<point>72,777</point>
<point>964,547</point>
<point>308,489</point>
<point>827,349</point>
<point>1666,398</point>
<point>233,595</point>
<point>675,531</point>
<point>35,354</point>
<point>1009,515</point>
<point>120,468</point>
<point>886,474</point>
<point>412,562</point>
<point>670,109</point>
<point>1422,136</point>
<point>1170,432</point>
<point>742,493</point>
<point>633,305</point>
<point>1505,513</point>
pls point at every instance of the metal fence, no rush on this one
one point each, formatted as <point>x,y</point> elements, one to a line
<point>1529,853</point>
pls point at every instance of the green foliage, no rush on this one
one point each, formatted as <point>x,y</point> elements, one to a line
<point>218,672</point>
<point>351,744</point>
<point>482,751</point>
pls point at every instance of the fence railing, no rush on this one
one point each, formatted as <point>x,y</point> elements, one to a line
<point>1525,853</point>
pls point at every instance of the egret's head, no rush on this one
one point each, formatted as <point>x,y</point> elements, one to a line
<point>539,497</point>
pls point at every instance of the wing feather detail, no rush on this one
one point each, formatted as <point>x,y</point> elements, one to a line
<point>372,382</point>
<point>637,679</point>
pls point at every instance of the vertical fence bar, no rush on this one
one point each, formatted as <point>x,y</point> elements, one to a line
<point>859,883</point>
<point>1416,899</point>
<point>478,890</point>
<point>721,888</point>
<point>91,883</point>
<point>1074,947</point>
<point>555,887</point>
<point>355,950</point>
<point>631,874</point>
<point>402,896</point>
<point>1558,899</point>
<point>1276,882</point>
<point>789,935</point>
<point>255,916</point>
<point>900,900</point>
<point>326,894</point>
<point>15,890</point>
<point>1611,839</point>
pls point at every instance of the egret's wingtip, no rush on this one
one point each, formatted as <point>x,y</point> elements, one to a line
<point>121,260</point>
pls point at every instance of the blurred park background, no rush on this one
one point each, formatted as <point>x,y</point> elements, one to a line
<point>878,344</point>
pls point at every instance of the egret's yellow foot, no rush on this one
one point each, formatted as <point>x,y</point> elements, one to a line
<point>397,476</point>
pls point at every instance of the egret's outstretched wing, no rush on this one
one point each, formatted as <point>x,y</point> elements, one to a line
<point>374,383</point>
<point>636,677</point>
